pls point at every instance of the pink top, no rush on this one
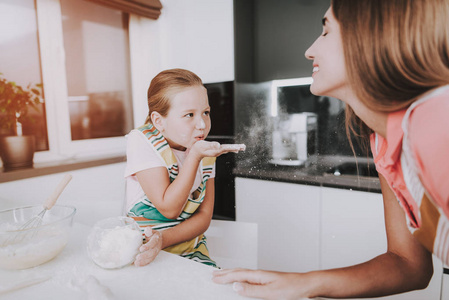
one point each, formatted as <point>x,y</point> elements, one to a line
<point>429,141</point>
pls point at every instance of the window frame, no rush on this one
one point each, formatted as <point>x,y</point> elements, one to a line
<point>54,79</point>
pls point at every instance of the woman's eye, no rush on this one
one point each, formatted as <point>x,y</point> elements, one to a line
<point>207,113</point>
<point>189,115</point>
<point>324,34</point>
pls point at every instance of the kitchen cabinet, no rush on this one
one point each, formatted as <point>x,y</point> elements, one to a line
<point>353,231</point>
<point>320,228</point>
<point>271,38</point>
<point>232,244</point>
<point>352,227</point>
<point>287,216</point>
<point>200,37</point>
<point>445,287</point>
<point>197,35</point>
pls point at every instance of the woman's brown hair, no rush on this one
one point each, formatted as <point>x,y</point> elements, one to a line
<point>164,85</point>
<point>395,50</point>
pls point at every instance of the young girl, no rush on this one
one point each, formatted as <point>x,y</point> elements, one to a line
<point>171,168</point>
<point>389,62</point>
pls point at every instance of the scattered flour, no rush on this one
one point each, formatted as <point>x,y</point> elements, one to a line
<point>42,247</point>
<point>93,288</point>
<point>114,247</point>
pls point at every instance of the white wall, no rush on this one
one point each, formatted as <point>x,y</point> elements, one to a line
<point>97,192</point>
<point>197,35</point>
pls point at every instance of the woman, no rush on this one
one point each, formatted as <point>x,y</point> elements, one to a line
<point>389,62</point>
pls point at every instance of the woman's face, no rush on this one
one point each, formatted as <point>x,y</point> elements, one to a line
<point>188,119</point>
<point>329,71</point>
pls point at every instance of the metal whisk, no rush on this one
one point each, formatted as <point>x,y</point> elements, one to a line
<point>36,221</point>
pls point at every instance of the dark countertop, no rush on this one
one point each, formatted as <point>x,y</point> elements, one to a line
<point>314,173</point>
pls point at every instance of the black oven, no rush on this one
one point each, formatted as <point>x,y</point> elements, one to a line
<point>221,101</point>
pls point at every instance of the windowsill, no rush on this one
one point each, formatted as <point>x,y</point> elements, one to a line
<point>41,169</point>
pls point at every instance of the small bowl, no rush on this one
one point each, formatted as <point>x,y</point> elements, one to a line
<point>27,248</point>
<point>114,242</point>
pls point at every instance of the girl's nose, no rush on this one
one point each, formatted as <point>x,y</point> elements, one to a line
<point>201,124</point>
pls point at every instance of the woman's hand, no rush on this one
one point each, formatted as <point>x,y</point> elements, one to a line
<point>264,284</point>
<point>150,249</point>
<point>214,149</point>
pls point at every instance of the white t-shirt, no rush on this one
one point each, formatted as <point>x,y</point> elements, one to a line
<point>140,156</point>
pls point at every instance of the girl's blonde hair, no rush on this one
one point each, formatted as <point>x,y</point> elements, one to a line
<point>395,50</point>
<point>166,84</point>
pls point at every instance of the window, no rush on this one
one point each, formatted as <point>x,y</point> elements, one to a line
<point>97,70</point>
<point>79,50</point>
<point>20,62</point>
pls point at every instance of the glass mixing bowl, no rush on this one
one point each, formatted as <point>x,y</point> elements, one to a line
<point>114,242</point>
<point>33,246</point>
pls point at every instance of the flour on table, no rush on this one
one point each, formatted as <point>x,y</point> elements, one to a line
<point>114,248</point>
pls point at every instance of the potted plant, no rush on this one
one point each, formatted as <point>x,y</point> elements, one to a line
<point>16,150</point>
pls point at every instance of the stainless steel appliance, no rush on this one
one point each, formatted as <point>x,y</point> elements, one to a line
<point>294,139</point>
<point>295,123</point>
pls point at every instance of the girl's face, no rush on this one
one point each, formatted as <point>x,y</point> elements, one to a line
<point>329,71</point>
<point>188,119</point>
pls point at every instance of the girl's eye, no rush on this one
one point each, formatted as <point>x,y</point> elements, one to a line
<point>324,33</point>
<point>189,115</point>
<point>207,113</point>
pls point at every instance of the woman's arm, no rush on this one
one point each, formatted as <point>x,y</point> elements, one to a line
<point>405,266</point>
<point>187,230</point>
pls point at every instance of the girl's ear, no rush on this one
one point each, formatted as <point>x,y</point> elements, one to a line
<point>156,119</point>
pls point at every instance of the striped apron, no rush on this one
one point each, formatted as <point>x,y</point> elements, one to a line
<point>433,231</point>
<point>147,215</point>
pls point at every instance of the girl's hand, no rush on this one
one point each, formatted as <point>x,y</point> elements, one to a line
<point>263,284</point>
<point>214,149</point>
<point>150,249</point>
<point>233,147</point>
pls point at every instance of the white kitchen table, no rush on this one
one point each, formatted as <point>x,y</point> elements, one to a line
<point>73,275</point>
